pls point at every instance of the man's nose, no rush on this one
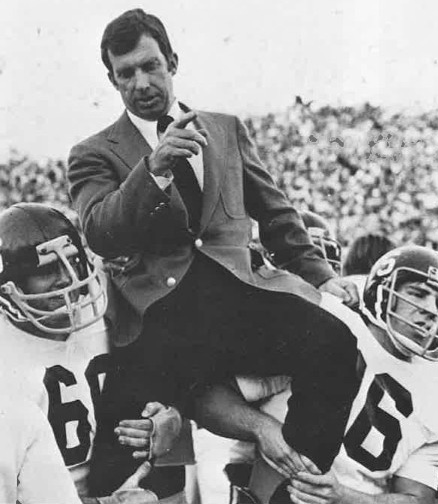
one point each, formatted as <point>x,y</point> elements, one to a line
<point>430,306</point>
<point>63,277</point>
<point>141,79</point>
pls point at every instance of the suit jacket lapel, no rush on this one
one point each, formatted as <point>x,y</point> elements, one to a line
<point>127,142</point>
<point>214,158</point>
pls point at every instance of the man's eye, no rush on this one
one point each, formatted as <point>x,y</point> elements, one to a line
<point>125,74</point>
<point>417,293</point>
<point>150,66</point>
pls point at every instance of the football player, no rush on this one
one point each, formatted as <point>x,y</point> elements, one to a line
<point>323,237</point>
<point>390,449</point>
<point>391,441</point>
<point>31,467</point>
<point>54,341</point>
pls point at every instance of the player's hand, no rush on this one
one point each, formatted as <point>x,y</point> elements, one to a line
<point>343,288</point>
<point>177,142</point>
<point>276,451</point>
<point>308,488</point>
<point>131,493</point>
<point>154,434</point>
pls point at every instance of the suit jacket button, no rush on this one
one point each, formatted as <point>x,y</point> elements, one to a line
<point>171,282</point>
<point>198,243</point>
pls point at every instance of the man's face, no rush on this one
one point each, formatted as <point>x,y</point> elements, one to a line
<point>144,79</point>
<point>422,314</point>
<point>46,279</point>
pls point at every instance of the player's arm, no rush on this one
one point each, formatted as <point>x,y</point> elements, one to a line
<point>130,492</point>
<point>314,488</point>
<point>223,410</point>
<point>43,476</point>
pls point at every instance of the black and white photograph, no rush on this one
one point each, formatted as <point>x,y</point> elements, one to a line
<point>218,252</point>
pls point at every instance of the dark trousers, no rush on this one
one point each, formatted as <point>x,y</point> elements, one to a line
<point>213,326</point>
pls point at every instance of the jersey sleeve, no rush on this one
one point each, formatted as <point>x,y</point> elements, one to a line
<point>43,476</point>
<point>422,466</point>
<point>254,388</point>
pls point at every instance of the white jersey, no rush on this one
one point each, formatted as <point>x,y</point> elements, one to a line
<point>31,468</point>
<point>393,423</point>
<point>65,379</point>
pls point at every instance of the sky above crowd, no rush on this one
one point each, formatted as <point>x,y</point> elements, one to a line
<point>237,56</point>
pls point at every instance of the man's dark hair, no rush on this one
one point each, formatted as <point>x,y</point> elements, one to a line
<point>123,33</point>
<point>364,252</point>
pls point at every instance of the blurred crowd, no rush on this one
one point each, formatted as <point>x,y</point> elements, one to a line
<point>363,169</point>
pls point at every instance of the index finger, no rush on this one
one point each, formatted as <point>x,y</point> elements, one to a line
<point>184,119</point>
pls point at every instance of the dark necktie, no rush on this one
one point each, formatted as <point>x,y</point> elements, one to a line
<point>185,181</point>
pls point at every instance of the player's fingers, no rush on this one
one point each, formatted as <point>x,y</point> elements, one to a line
<point>134,433</point>
<point>143,470</point>
<point>283,468</point>
<point>352,291</point>
<point>184,119</point>
<point>295,500</point>
<point>310,466</point>
<point>317,480</point>
<point>140,454</point>
<point>134,442</point>
<point>144,424</point>
<point>305,492</point>
<point>298,497</point>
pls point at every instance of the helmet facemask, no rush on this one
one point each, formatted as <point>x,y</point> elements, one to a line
<point>330,248</point>
<point>427,344</point>
<point>79,304</point>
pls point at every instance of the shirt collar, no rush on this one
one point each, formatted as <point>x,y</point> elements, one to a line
<point>148,129</point>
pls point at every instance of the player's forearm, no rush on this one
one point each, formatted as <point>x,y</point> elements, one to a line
<point>110,499</point>
<point>223,411</point>
<point>350,496</point>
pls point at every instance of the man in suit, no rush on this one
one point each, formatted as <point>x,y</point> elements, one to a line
<point>169,193</point>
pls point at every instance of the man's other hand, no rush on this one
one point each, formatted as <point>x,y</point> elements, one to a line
<point>343,288</point>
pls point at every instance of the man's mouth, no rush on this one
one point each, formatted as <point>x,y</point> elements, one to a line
<point>147,101</point>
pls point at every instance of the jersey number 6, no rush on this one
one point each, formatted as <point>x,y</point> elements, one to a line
<point>373,416</point>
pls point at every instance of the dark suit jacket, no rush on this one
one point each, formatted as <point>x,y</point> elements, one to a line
<point>124,213</point>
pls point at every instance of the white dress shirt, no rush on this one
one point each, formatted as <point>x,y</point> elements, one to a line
<point>148,130</point>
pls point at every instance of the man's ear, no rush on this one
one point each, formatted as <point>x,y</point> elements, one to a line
<point>112,80</point>
<point>172,65</point>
